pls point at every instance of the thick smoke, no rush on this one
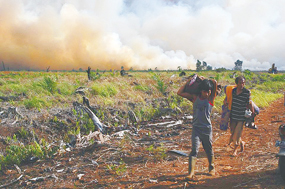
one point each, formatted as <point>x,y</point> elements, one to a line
<point>142,34</point>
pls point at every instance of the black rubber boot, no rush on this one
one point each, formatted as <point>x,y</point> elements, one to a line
<point>191,167</point>
<point>211,165</point>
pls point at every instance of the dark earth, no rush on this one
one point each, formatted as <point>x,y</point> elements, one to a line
<point>141,160</point>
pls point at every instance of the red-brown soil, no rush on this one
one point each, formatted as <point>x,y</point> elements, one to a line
<point>256,167</point>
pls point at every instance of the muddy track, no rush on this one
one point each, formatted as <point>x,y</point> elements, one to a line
<point>134,162</point>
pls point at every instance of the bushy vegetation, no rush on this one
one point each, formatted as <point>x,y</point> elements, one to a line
<point>118,169</point>
<point>17,152</point>
<point>35,102</point>
<point>160,85</point>
<point>49,84</point>
<point>43,90</point>
<point>158,153</point>
<point>104,89</point>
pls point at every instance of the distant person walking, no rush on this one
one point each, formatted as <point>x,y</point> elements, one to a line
<point>240,100</point>
<point>202,127</point>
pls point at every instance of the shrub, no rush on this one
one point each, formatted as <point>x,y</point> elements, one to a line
<point>160,84</point>
<point>16,154</point>
<point>66,88</point>
<point>105,90</point>
<point>263,98</point>
<point>217,77</point>
<point>279,78</point>
<point>159,153</point>
<point>49,84</point>
<point>272,86</point>
<point>35,102</point>
<point>118,169</point>
<point>146,112</point>
<point>141,88</point>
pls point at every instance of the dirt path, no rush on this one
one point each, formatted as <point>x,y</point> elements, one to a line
<point>254,168</point>
<point>257,166</point>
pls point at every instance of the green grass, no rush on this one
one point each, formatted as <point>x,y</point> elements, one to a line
<point>104,90</point>
<point>272,86</point>
<point>263,98</point>
<point>36,102</point>
<point>16,153</point>
<point>145,112</point>
<point>44,90</point>
<point>143,88</point>
<point>49,84</point>
<point>160,85</point>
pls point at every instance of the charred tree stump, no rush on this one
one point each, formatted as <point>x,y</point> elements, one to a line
<point>3,66</point>
<point>89,73</point>
<point>78,107</point>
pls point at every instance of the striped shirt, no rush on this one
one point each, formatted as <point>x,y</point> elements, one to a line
<point>239,104</point>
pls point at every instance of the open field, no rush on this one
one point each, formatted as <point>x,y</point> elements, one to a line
<point>55,145</point>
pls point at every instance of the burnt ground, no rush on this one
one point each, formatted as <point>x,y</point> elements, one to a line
<point>140,159</point>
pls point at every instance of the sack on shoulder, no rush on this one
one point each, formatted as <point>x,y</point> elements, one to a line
<point>192,86</point>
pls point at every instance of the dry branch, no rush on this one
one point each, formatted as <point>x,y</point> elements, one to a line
<point>84,141</point>
<point>12,182</point>
<point>94,118</point>
<point>15,180</point>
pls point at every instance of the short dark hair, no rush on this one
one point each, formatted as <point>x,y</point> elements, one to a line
<point>238,78</point>
<point>205,85</point>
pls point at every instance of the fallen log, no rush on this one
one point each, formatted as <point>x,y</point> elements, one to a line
<point>166,124</point>
<point>94,118</point>
<point>176,152</point>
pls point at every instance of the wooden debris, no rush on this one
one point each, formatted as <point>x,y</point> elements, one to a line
<point>176,152</point>
<point>79,107</point>
<point>80,176</point>
<point>18,169</point>
<point>133,116</point>
<point>37,179</point>
<point>89,73</point>
<point>12,182</point>
<point>167,124</point>
<point>15,180</point>
<point>84,141</point>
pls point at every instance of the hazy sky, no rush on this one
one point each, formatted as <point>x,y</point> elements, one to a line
<point>143,34</point>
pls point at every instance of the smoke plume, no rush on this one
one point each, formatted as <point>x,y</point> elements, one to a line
<point>142,34</point>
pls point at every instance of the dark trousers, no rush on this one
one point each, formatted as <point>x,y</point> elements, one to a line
<point>204,135</point>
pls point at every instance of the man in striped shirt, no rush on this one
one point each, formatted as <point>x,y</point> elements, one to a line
<point>240,101</point>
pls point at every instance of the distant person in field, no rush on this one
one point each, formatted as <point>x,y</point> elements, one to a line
<point>202,128</point>
<point>239,103</point>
